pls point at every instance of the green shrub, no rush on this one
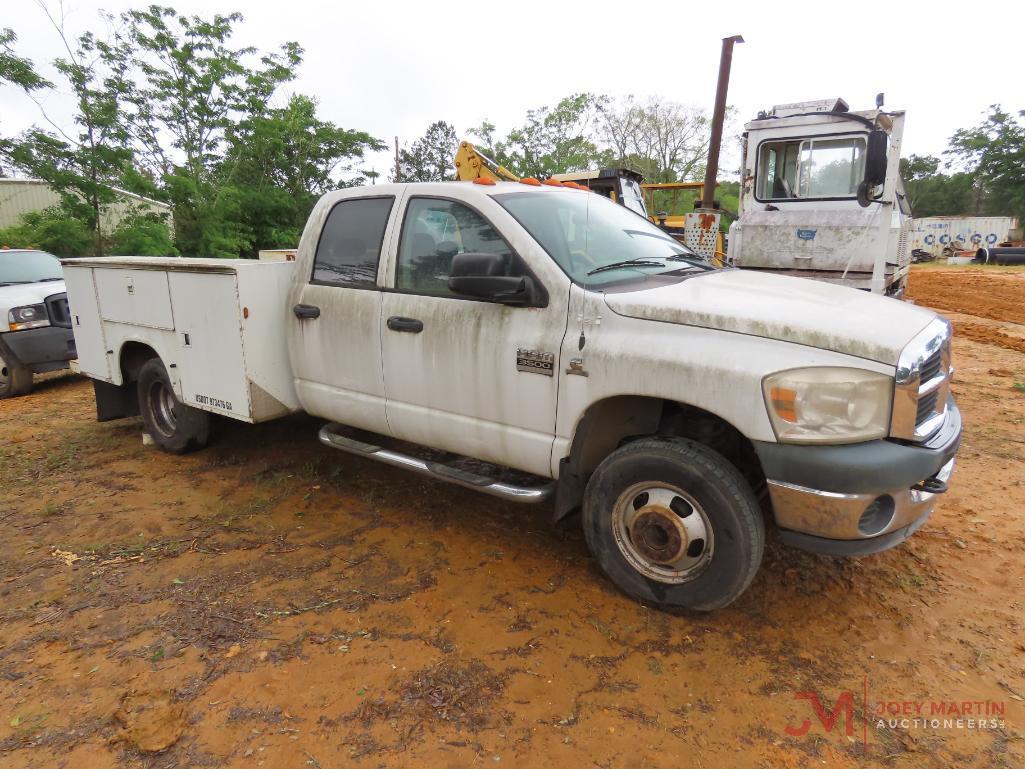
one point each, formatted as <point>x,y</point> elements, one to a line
<point>142,235</point>
<point>51,229</point>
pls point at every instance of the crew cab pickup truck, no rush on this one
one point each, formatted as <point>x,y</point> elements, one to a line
<point>549,331</point>
<point>36,334</point>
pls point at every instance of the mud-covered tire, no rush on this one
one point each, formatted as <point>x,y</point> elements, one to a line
<point>174,427</point>
<point>15,379</point>
<point>651,489</point>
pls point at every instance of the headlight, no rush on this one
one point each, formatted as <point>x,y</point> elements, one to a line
<point>31,316</point>
<point>828,404</point>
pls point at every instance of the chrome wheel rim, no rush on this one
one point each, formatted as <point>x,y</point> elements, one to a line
<point>662,532</point>
<point>161,403</point>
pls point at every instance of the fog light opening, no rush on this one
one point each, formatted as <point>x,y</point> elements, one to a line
<point>877,516</point>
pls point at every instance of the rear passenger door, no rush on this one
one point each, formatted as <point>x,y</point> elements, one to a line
<point>335,315</point>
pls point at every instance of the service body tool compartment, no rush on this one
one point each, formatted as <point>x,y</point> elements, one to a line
<point>218,325</point>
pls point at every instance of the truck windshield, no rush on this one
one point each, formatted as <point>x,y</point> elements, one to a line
<point>596,241</point>
<point>28,267</point>
<point>811,168</point>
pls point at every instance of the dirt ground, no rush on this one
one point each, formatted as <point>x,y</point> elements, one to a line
<point>269,602</point>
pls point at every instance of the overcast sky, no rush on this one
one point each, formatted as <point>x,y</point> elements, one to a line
<point>391,68</point>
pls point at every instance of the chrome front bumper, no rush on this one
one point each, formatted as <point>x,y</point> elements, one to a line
<point>859,498</point>
<point>833,515</point>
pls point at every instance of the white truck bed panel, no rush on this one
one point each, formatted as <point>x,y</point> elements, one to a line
<point>136,297</point>
<point>86,323</point>
<point>217,324</point>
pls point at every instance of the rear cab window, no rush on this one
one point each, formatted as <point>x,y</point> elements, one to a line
<point>349,249</point>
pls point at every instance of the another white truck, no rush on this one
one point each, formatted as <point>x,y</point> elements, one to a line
<point>548,330</point>
<point>36,334</point>
<point>822,198</point>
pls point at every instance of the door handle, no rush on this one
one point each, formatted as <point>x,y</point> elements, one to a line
<point>306,311</point>
<point>410,325</point>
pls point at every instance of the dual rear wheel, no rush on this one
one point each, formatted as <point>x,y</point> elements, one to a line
<point>174,427</point>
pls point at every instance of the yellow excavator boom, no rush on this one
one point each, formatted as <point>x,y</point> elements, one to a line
<point>472,164</point>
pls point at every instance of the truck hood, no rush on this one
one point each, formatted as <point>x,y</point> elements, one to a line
<point>21,294</point>
<point>796,310</point>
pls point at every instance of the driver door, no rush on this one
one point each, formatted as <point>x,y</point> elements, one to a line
<point>470,376</point>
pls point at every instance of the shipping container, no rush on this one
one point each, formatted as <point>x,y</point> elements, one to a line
<point>941,235</point>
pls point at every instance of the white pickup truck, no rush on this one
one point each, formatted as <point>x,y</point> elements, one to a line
<point>550,331</point>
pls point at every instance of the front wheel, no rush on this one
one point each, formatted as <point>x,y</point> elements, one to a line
<point>674,523</point>
<point>15,379</point>
<point>174,427</point>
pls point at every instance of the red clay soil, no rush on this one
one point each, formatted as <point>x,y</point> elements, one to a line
<point>269,602</point>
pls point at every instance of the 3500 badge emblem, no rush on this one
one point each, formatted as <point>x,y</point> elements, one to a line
<point>535,362</point>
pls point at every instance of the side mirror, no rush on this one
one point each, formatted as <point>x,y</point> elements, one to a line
<point>875,166</point>
<point>875,158</point>
<point>483,276</point>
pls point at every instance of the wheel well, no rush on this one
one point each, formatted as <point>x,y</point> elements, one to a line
<point>613,422</point>
<point>119,401</point>
<point>133,356</point>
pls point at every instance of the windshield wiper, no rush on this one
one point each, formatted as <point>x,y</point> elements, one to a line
<point>640,262</point>
<point>695,260</point>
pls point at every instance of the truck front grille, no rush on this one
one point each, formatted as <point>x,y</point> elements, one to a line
<point>926,408</point>
<point>932,366</point>
<point>922,384</point>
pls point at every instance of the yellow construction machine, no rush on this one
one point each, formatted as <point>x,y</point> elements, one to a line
<point>621,185</point>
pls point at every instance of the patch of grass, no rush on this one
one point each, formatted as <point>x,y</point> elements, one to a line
<point>1019,386</point>
<point>51,509</point>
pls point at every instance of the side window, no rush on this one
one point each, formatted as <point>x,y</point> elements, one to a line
<point>350,242</point>
<point>831,167</point>
<point>777,170</point>
<point>810,168</point>
<point>432,233</point>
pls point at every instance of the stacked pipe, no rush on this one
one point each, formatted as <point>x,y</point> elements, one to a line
<point>1004,255</point>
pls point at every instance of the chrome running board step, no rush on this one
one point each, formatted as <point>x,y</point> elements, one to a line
<point>330,436</point>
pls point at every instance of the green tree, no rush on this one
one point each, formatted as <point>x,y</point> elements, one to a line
<point>142,234</point>
<point>16,69</point>
<point>281,161</point>
<point>186,88</point>
<point>52,229</point>
<point>430,158</point>
<point>555,139</point>
<point>665,141</point>
<point>930,192</point>
<point>83,164</point>
<point>994,152</point>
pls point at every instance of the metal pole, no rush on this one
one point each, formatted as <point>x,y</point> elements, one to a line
<point>718,118</point>
<point>398,173</point>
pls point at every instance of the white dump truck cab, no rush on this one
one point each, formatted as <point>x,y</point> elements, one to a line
<point>822,198</point>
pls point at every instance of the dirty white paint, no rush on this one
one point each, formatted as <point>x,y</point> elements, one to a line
<point>707,341</point>
<point>831,239</point>
<point>216,324</point>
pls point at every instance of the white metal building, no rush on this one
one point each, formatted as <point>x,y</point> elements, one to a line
<point>19,196</point>
<point>935,233</point>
